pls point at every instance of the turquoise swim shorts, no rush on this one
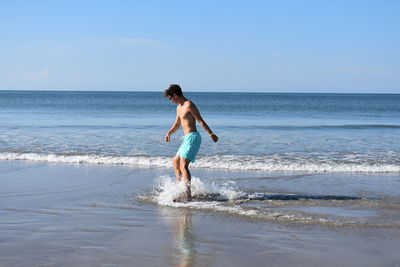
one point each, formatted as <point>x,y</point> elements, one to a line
<point>190,146</point>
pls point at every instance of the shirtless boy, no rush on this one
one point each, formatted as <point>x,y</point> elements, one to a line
<point>186,116</point>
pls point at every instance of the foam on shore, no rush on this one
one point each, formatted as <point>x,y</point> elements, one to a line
<point>239,162</point>
<point>334,210</point>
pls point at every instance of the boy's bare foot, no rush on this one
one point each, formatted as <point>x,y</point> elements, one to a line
<point>180,198</point>
<point>183,198</point>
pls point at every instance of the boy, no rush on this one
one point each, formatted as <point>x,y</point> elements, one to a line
<point>186,116</point>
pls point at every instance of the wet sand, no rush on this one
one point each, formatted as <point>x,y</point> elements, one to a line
<point>101,215</point>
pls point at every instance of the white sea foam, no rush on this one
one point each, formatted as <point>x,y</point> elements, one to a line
<point>90,159</point>
<point>167,189</point>
<point>240,162</point>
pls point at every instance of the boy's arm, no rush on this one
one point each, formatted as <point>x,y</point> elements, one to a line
<point>196,114</point>
<point>174,128</point>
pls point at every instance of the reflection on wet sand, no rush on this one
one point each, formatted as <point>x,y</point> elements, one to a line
<point>184,238</point>
<point>180,221</point>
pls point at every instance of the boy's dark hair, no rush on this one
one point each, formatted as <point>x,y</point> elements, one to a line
<point>173,89</point>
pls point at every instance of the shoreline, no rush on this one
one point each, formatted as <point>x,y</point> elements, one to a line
<point>77,214</point>
<point>242,163</point>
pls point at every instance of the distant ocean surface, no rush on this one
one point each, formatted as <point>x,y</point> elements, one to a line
<point>346,133</point>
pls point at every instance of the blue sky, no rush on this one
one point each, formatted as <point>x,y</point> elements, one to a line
<point>267,46</point>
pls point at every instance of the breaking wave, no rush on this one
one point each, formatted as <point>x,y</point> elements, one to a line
<point>237,162</point>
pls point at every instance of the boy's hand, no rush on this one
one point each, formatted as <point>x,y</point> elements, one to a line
<point>214,138</point>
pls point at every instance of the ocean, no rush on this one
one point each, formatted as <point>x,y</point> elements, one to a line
<point>318,133</point>
<point>86,179</point>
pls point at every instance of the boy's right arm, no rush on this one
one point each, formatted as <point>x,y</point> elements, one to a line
<point>173,129</point>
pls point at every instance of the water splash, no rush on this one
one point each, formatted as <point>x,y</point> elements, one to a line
<point>167,189</point>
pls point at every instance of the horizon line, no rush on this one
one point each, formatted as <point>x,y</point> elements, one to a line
<point>189,91</point>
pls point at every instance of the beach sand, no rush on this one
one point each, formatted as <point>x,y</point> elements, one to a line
<point>101,215</point>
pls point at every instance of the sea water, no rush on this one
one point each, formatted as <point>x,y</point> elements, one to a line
<point>330,160</point>
<point>318,133</point>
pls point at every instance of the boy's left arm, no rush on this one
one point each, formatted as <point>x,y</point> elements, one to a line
<point>196,114</point>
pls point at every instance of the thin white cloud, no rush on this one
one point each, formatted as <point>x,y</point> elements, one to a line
<point>125,41</point>
<point>276,55</point>
<point>30,75</point>
<point>133,41</point>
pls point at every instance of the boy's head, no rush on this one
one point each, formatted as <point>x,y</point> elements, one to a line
<point>173,89</point>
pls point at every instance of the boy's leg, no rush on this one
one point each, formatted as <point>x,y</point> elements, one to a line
<point>186,176</point>
<point>176,164</point>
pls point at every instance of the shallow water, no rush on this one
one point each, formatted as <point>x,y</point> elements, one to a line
<point>75,214</point>
<point>351,207</point>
